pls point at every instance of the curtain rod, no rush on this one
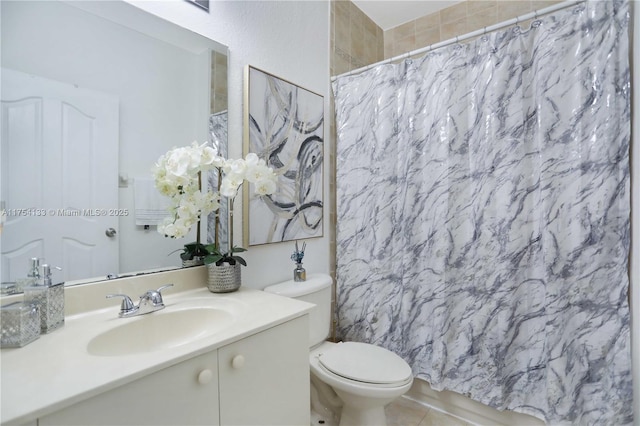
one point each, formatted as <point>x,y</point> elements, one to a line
<point>531,15</point>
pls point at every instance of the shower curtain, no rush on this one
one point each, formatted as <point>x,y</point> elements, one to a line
<point>483,215</point>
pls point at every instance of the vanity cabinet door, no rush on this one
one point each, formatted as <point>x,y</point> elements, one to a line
<point>264,378</point>
<point>184,394</point>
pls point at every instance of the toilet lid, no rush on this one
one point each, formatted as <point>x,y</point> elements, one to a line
<point>365,363</point>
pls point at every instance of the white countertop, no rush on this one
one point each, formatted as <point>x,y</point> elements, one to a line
<point>57,371</point>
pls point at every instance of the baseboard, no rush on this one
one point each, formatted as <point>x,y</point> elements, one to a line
<point>465,408</point>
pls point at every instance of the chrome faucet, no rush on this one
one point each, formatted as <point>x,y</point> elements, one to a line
<point>149,302</point>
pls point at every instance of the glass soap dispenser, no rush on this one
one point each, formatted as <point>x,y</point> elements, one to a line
<point>50,299</point>
<point>33,276</point>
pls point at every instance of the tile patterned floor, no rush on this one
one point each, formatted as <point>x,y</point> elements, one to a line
<point>405,412</point>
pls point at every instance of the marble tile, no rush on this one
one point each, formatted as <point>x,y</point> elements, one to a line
<point>380,43</point>
<point>403,31</point>
<point>453,29</point>
<point>404,45</point>
<point>357,41</point>
<point>475,6</point>
<point>388,45</point>
<point>342,32</point>
<point>342,7</point>
<point>427,37</point>
<point>436,418</point>
<point>405,412</point>
<point>482,19</point>
<point>340,65</point>
<point>428,22</point>
<point>512,9</point>
<point>541,4</point>
<point>453,13</point>
<point>369,25</point>
<point>357,16</point>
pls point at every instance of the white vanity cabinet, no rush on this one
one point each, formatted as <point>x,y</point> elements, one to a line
<point>183,394</point>
<point>262,379</point>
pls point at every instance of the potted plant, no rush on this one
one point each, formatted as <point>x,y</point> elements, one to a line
<point>224,267</point>
<point>178,175</point>
<point>193,254</point>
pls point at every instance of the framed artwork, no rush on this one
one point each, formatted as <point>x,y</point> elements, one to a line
<point>204,4</point>
<point>284,125</point>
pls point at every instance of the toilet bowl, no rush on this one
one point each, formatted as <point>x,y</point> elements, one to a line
<point>365,377</point>
<point>352,381</point>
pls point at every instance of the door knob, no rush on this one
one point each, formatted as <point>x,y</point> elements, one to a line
<point>110,232</point>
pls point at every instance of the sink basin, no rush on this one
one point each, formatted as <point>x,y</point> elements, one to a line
<point>159,330</point>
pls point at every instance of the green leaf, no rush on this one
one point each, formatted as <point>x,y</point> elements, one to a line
<point>240,260</point>
<point>212,258</point>
<point>212,249</point>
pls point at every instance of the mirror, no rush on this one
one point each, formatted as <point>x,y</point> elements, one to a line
<point>92,94</point>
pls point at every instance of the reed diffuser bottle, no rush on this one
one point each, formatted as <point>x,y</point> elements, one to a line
<point>299,274</point>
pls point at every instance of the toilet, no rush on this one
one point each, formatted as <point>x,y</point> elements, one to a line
<point>350,381</point>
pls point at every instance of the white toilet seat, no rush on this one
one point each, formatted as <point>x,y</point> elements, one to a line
<point>362,402</point>
<point>363,364</point>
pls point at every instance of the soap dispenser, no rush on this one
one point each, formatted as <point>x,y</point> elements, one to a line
<point>33,276</point>
<point>50,298</point>
<point>34,270</point>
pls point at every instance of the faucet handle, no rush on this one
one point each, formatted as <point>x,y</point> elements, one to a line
<point>127,305</point>
<point>155,296</point>
<point>163,287</point>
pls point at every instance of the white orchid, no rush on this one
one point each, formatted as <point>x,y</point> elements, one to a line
<point>178,175</point>
<point>265,187</point>
<point>230,185</point>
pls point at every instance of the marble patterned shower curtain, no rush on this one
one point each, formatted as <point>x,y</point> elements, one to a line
<point>483,215</point>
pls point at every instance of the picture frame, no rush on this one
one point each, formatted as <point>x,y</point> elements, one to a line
<point>284,125</point>
<point>203,4</point>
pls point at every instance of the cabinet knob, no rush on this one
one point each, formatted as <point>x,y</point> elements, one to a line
<point>205,376</point>
<point>237,361</point>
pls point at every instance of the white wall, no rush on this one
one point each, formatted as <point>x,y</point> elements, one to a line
<point>291,40</point>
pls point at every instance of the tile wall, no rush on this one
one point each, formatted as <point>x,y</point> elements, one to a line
<point>218,82</point>
<point>456,20</point>
<point>356,40</point>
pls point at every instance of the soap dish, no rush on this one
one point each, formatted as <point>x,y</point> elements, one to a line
<point>20,323</point>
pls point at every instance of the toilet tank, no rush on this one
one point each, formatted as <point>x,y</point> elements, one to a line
<point>317,290</point>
